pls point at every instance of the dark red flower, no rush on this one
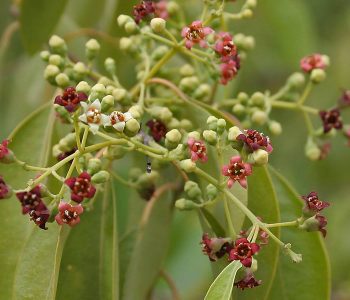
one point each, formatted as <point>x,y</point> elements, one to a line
<point>322,223</point>
<point>224,46</point>
<point>81,187</point>
<point>195,34</point>
<point>313,203</point>
<point>255,140</point>
<point>143,10</point>
<point>6,155</point>
<point>5,190</point>
<point>214,247</point>
<point>263,237</point>
<point>68,214</point>
<point>70,99</point>
<point>311,62</point>
<point>229,68</point>
<point>248,282</point>
<point>157,129</point>
<point>40,215</point>
<point>237,170</point>
<point>243,251</point>
<point>198,150</point>
<point>30,200</point>
<point>331,119</point>
<point>345,98</point>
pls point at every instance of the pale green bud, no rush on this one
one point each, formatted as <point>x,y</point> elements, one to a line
<point>162,113</point>
<point>132,127</point>
<point>98,91</point>
<point>83,87</point>
<point>275,127</point>
<point>251,3</point>
<point>136,111</point>
<point>174,123</point>
<point>80,69</point>
<point>326,60</point>
<point>243,97</point>
<point>312,151</point>
<point>239,109</point>
<point>188,165</point>
<point>94,166</point>
<point>110,65</point>
<point>247,13</point>
<point>92,48</point>
<point>233,133</point>
<point>100,177</point>
<point>173,136</point>
<point>184,204</point>
<point>189,84</point>
<point>212,123</point>
<point>56,60</point>
<point>259,157</point>
<point>195,135</point>
<point>158,25</point>
<point>249,43</point>
<point>45,55</point>
<point>62,80</point>
<point>212,191</point>
<point>57,45</point>
<point>135,173</point>
<point>119,94</point>
<point>159,52</point>
<point>192,189</point>
<point>125,44</point>
<point>296,80</point>
<point>186,124</point>
<point>173,7</point>
<point>210,136</point>
<point>63,113</point>
<point>56,150</point>
<point>318,75</point>
<point>131,27</point>
<point>107,103</point>
<point>123,19</point>
<point>259,117</point>
<point>221,126</point>
<point>51,71</point>
<point>204,90</point>
<point>258,99</point>
<point>187,70</point>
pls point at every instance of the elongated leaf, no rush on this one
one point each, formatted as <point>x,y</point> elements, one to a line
<point>221,288</point>
<point>311,278</point>
<point>29,269</point>
<point>90,258</point>
<point>149,251</point>
<point>263,202</point>
<point>38,19</point>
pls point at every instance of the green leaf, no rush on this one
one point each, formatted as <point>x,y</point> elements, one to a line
<point>221,288</point>
<point>29,257</point>
<point>38,19</point>
<point>149,251</point>
<point>90,259</point>
<point>311,278</point>
<point>262,201</point>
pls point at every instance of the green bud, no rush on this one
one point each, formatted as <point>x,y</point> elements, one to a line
<point>135,173</point>
<point>119,94</point>
<point>243,97</point>
<point>173,124</point>
<point>194,134</point>
<point>249,43</point>
<point>296,80</point>
<point>67,143</point>
<point>80,68</point>
<point>147,179</point>
<point>247,13</point>
<point>107,103</point>
<point>192,189</point>
<point>56,60</point>
<point>318,75</point>
<point>203,91</point>
<point>57,45</point>
<point>173,138</point>
<point>94,166</point>
<point>212,191</point>
<point>173,8</point>
<point>233,133</point>
<point>83,87</point>
<point>210,136</point>
<point>92,48</point>
<point>131,27</point>
<point>62,80</point>
<point>98,91</point>
<point>123,19</point>
<point>125,44</point>
<point>45,55</point>
<point>312,151</point>
<point>63,113</point>
<point>212,123</point>
<point>259,157</point>
<point>258,99</point>
<point>51,71</point>
<point>259,117</point>
<point>189,84</point>
<point>239,109</point>
<point>158,25</point>
<point>188,165</point>
<point>162,113</point>
<point>186,124</point>
<point>110,65</point>
<point>184,204</point>
<point>159,52</point>
<point>132,127</point>
<point>100,177</point>
<point>326,60</point>
<point>221,126</point>
<point>275,127</point>
<point>187,70</point>
<point>251,3</point>
<point>56,150</point>
<point>136,111</point>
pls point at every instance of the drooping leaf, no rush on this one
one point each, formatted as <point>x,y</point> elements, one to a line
<point>221,288</point>
<point>90,259</point>
<point>30,268</point>
<point>311,278</point>
<point>262,201</point>
<point>38,19</point>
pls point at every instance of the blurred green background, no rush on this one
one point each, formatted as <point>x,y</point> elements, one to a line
<point>285,31</point>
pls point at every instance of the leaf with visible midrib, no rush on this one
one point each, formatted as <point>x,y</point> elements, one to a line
<point>311,278</point>
<point>221,288</point>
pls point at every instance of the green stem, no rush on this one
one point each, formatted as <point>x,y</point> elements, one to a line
<point>306,93</point>
<point>283,224</point>
<point>27,167</point>
<point>123,181</point>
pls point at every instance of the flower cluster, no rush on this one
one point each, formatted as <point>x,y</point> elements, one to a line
<point>149,8</point>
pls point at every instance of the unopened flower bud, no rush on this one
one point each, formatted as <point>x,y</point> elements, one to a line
<point>275,127</point>
<point>162,113</point>
<point>159,52</point>
<point>56,60</point>
<point>212,123</point>
<point>132,127</point>
<point>203,91</point>
<point>147,179</point>
<point>259,117</point>
<point>184,204</point>
<point>119,94</point>
<point>173,138</point>
<point>110,65</point>
<point>312,151</point>
<point>45,55</point>
<point>173,124</point>
<point>212,191</point>
<point>251,3</point>
<point>233,133</point>
<point>94,166</point>
<point>326,60</point>
<point>247,13</point>
<point>83,87</point>
<point>189,84</point>
<point>98,91</point>
<point>63,113</point>
<point>296,80</point>
<point>80,70</point>
<point>186,124</point>
<point>221,126</point>
<point>158,25</point>
<point>135,173</point>
<point>51,71</point>
<point>188,165</point>
<point>123,19</point>
<point>259,157</point>
<point>318,75</point>
<point>194,134</point>
<point>248,43</point>
<point>136,111</point>
<point>239,109</point>
<point>57,45</point>
<point>62,80</point>
<point>187,70</point>
<point>210,136</point>
<point>242,97</point>
<point>173,7</point>
<point>100,177</point>
<point>92,48</point>
<point>258,99</point>
<point>131,27</point>
<point>107,103</point>
<point>192,189</point>
<point>125,44</point>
